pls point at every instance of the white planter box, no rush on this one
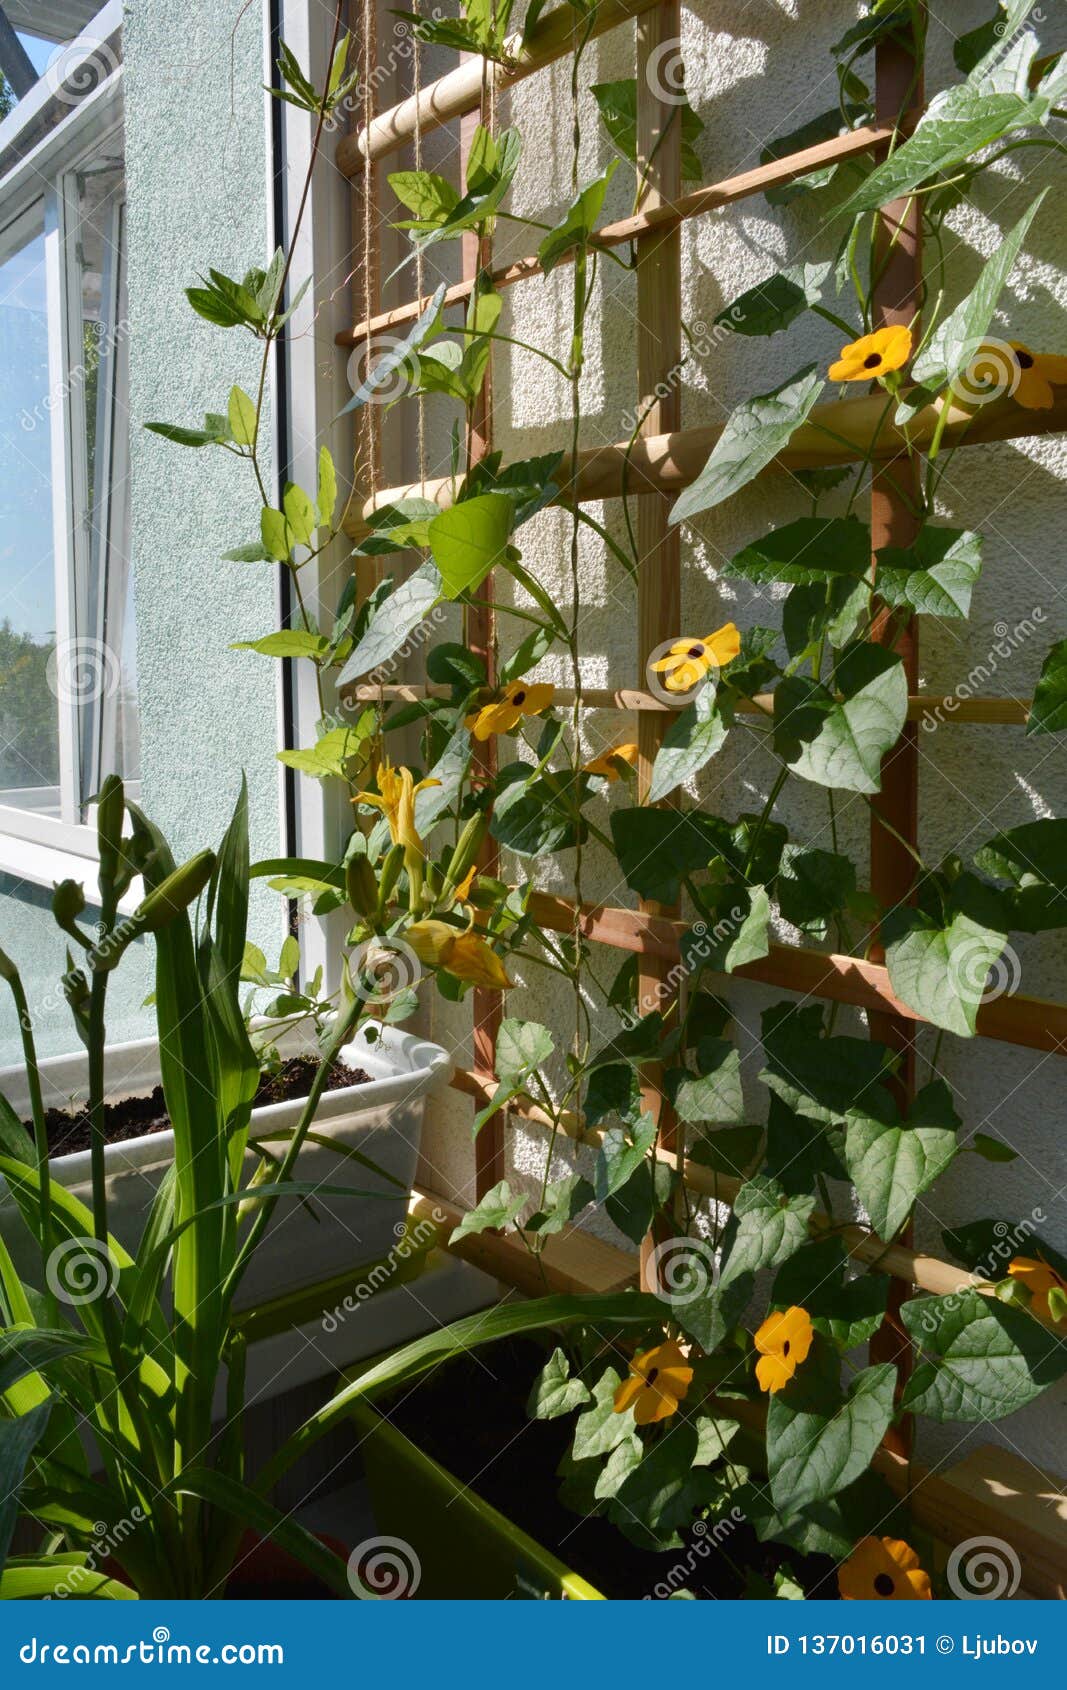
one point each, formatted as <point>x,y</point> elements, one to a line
<point>303,1245</point>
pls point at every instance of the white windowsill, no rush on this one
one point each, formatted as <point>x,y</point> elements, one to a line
<point>46,865</point>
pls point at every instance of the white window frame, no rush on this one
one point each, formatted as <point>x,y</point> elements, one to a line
<point>37,847</point>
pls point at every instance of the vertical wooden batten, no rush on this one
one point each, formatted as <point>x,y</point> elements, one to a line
<point>895,491</point>
<point>480,633</point>
<point>659,352</point>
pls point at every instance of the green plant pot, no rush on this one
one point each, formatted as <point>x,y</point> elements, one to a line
<point>466,1549</point>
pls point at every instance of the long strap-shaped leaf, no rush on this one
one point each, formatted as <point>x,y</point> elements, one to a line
<point>243,1504</point>
<point>624,1308</point>
<point>67,1574</point>
<point>17,1440</point>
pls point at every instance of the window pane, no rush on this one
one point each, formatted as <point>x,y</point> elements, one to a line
<point>29,717</point>
<point>35,38</point>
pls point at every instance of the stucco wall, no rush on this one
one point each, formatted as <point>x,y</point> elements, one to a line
<point>764,79</point>
<point>197,176</point>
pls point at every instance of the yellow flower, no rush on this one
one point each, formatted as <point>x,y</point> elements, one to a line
<point>1039,373</point>
<point>465,955</point>
<point>688,661</point>
<point>783,1342</point>
<point>504,713</point>
<point>873,355</point>
<point>605,764</point>
<point>883,1569</point>
<point>658,1382</point>
<point>395,798</point>
<point>463,890</point>
<point>1039,1280</point>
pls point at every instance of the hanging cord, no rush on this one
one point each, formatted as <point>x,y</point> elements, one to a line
<point>420,280</point>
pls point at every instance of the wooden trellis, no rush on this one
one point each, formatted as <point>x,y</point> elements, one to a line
<point>668,457</point>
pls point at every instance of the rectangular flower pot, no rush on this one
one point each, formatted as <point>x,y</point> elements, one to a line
<point>308,1241</point>
<point>440,1540</point>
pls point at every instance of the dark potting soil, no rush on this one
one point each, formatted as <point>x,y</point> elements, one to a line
<point>477,1427</point>
<point>139,1117</point>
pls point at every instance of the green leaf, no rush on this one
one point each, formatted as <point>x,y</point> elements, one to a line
<point>957,123</point>
<point>826,127</point>
<point>992,1150</point>
<point>18,1439</point>
<point>617,104</point>
<point>428,196</point>
<point>755,433</point>
<point>379,377</point>
<point>622,1152</point>
<point>274,531</point>
<point>818,610</point>
<point>242,417</point>
<point>535,817</point>
<point>838,738</point>
<point>287,642</point>
<point>940,971</point>
<point>812,549</point>
<point>692,739</point>
<point>468,539</point>
<point>1032,858</point>
<point>891,1163</point>
<point>655,848</point>
<point>522,1047</point>
<point>599,1430</point>
<point>656,1497</point>
<point>935,575</point>
<point>981,1359</point>
<point>578,222</point>
<point>812,886</point>
<point>392,622</point>
<point>300,514</point>
<point>958,336</point>
<point>770,1227</point>
<point>240,1502</point>
<point>776,303</point>
<point>496,1211</point>
<point>564,1199</point>
<point>333,753</point>
<point>736,929</point>
<point>847,1311</point>
<point>819,1441</point>
<point>554,1392</point>
<point>713,1095</point>
<point>1048,713</point>
<point>822,1077</point>
<point>326,491</point>
<point>728,1150</point>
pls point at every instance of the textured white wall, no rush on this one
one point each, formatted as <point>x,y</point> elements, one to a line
<point>761,78</point>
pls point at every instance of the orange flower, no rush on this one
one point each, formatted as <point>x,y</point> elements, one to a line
<point>783,1342</point>
<point>658,1382</point>
<point>504,713</point>
<point>873,355</point>
<point>689,660</point>
<point>1038,374</point>
<point>883,1569</point>
<point>606,763</point>
<point>1039,1280</point>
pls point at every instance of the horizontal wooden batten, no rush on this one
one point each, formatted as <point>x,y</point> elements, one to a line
<point>777,174</point>
<point>992,1492</point>
<point>929,1273</point>
<point>460,91</point>
<point>1034,1023</point>
<point>942,707</point>
<point>842,432</point>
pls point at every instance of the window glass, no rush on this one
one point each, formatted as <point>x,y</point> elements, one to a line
<point>29,721</point>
